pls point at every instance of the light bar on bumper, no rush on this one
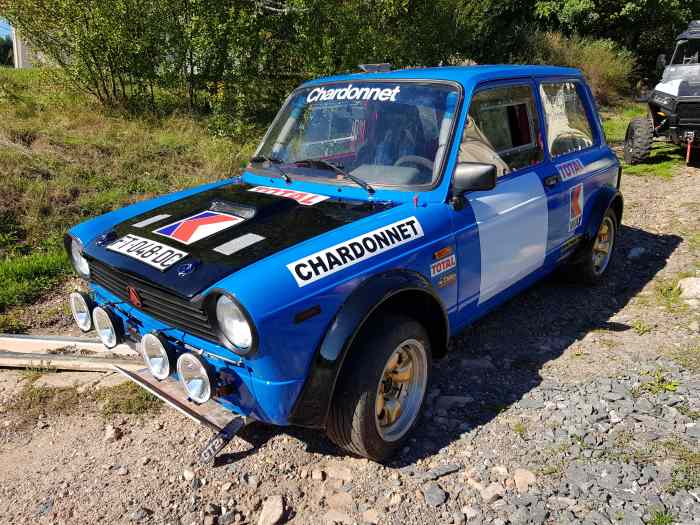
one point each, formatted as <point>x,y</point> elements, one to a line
<point>109,327</point>
<point>81,307</point>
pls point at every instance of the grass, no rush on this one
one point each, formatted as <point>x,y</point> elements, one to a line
<point>668,294</point>
<point>684,409</point>
<point>126,398</point>
<point>520,429</point>
<point>665,159</point>
<point>688,358</point>
<point>661,517</point>
<point>685,475</point>
<point>659,384</point>
<point>64,160</point>
<point>616,119</point>
<point>34,402</point>
<point>640,327</point>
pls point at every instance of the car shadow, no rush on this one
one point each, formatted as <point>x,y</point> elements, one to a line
<point>497,361</point>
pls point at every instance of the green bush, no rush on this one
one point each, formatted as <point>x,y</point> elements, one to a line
<point>606,66</point>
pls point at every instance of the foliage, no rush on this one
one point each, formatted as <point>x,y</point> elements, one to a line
<point>606,65</point>
<point>648,27</point>
<point>126,398</point>
<point>65,159</point>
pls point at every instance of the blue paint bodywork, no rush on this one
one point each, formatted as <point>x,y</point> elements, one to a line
<point>267,384</point>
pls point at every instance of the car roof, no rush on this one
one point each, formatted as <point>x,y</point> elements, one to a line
<point>461,74</point>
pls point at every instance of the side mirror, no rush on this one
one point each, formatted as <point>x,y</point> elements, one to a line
<point>472,176</point>
<point>661,62</point>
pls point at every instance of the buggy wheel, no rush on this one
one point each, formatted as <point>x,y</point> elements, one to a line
<point>382,388</point>
<point>638,140</point>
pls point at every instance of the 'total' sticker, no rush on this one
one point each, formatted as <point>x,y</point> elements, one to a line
<point>302,197</point>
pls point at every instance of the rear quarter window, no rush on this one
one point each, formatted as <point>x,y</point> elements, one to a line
<point>568,126</point>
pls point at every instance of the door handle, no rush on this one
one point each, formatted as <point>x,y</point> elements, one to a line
<point>552,180</point>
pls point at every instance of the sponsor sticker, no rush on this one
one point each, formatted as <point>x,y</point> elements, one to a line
<point>198,227</point>
<point>302,197</point>
<point>152,253</point>
<point>569,170</point>
<point>575,206</point>
<point>347,253</point>
<point>447,280</point>
<point>350,92</point>
<point>442,266</point>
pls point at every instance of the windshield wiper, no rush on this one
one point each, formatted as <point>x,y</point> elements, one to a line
<point>324,164</point>
<point>275,162</point>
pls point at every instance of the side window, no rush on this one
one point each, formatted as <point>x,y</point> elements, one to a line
<point>502,129</point>
<point>568,127</point>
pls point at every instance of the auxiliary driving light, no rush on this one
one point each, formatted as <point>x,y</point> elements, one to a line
<point>194,377</point>
<point>106,327</point>
<point>80,307</point>
<point>156,355</point>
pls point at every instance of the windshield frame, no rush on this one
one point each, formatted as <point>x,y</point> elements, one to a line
<point>435,182</point>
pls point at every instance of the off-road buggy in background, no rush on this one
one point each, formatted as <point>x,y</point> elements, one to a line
<point>674,104</point>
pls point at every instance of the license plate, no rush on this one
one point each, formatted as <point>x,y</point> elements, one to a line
<point>153,253</point>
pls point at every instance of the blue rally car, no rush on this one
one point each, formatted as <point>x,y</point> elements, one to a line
<point>381,214</point>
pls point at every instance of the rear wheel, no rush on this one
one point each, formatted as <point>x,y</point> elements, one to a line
<point>382,387</point>
<point>594,261</point>
<point>638,140</point>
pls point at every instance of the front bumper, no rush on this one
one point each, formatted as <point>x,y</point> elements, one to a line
<point>676,118</point>
<point>236,390</point>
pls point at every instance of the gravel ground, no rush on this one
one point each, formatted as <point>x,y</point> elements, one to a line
<point>566,405</point>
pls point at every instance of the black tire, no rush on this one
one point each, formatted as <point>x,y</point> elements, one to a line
<point>352,423</point>
<point>638,140</point>
<point>584,269</point>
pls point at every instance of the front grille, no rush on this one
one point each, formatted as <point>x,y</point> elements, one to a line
<point>158,303</point>
<point>688,113</point>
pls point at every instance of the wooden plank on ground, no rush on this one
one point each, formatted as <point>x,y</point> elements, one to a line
<point>43,344</point>
<point>65,362</point>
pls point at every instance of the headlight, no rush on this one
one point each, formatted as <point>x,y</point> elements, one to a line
<point>663,99</point>
<point>79,262</point>
<point>234,324</point>
<point>156,356</point>
<point>194,377</point>
<point>80,308</point>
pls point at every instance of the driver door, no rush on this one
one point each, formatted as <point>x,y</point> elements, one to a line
<point>501,233</point>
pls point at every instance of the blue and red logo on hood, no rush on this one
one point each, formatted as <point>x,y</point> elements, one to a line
<point>198,227</point>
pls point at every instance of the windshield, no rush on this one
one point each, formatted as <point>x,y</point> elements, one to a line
<point>686,52</point>
<point>384,133</point>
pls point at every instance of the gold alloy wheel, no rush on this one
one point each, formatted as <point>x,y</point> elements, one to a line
<point>603,245</point>
<point>401,390</point>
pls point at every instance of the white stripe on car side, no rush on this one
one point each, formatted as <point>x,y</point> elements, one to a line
<point>513,221</point>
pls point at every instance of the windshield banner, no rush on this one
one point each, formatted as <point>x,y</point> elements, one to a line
<point>351,92</point>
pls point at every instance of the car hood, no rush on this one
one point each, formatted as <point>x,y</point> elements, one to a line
<point>681,81</point>
<point>273,219</point>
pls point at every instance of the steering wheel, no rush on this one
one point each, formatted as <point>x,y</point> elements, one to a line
<point>415,159</point>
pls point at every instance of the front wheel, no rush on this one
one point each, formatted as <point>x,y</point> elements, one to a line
<point>638,140</point>
<point>382,387</point>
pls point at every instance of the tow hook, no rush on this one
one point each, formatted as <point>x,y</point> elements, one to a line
<point>690,137</point>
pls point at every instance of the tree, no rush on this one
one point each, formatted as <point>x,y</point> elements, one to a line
<point>646,27</point>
